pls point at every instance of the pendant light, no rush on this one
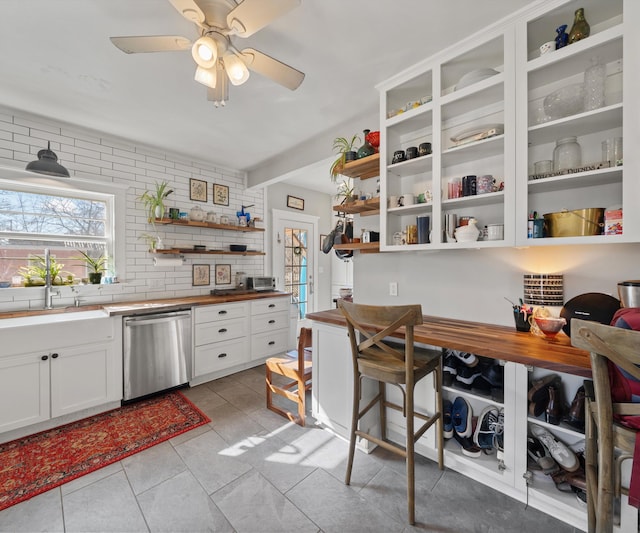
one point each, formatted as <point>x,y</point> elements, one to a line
<point>47,163</point>
<point>236,69</point>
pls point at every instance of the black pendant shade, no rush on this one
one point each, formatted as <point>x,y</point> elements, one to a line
<point>47,163</point>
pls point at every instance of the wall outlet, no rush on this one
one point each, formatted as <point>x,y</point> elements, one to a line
<point>393,288</point>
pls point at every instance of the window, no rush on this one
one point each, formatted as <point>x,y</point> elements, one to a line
<point>295,267</point>
<point>64,220</point>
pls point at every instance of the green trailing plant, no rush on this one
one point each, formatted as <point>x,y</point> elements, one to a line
<point>151,200</point>
<point>342,145</point>
<point>94,264</point>
<point>345,190</point>
<point>151,240</point>
<point>35,273</point>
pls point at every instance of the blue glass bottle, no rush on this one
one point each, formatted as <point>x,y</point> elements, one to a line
<point>562,39</point>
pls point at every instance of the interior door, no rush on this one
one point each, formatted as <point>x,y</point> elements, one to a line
<point>294,252</point>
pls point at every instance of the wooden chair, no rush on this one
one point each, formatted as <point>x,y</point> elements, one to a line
<point>603,434</point>
<point>296,366</point>
<point>380,359</point>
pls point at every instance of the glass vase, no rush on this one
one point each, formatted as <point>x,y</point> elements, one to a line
<point>580,29</point>
<point>567,154</point>
<point>594,79</point>
<point>366,149</point>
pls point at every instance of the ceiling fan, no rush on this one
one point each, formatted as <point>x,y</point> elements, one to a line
<point>218,60</point>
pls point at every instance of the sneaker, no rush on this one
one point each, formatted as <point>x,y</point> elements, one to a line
<point>467,358</point>
<point>558,450</point>
<point>447,421</point>
<point>467,375</point>
<point>540,455</point>
<point>461,413</point>
<point>483,435</point>
<point>494,374</point>
<point>449,368</point>
<point>468,447</point>
<point>498,435</point>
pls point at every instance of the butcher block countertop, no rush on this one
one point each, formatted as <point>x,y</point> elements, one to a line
<point>488,340</point>
<point>149,306</point>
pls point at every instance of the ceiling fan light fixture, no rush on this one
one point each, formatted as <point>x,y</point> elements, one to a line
<point>236,69</point>
<point>47,163</point>
<point>219,95</point>
<point>206,76</point>
<point>205,52</point>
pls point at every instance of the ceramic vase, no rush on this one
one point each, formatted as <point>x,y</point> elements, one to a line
<point>562,39</point>
<point>366,149</point>
<point>580,29</point>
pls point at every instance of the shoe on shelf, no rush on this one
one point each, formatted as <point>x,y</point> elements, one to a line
<point>575,416</point>
<point>449,367</point>
<point>581,496</point>
<point>539,387</point>
<point>483,434</point>
<point>447,421</point>
<point>554,406</point>
<point>462,414</point>
<point>560,479</point>
<point>558,450</point>
<point>467,375</point>
<point>467,358</point>
<point>498,435</point>
<point>468,447</point>
<point>540,455</point>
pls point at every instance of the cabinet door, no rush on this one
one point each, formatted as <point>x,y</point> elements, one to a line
<point>269,322</point>
<point>24,390</point>
<point>219,355</point>
<point>223,330</point>
<point>212,313</point>
<point>269,343</point>
<point>83,377</point>
<point>269,305</point>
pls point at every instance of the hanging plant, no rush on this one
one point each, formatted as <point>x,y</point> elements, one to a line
<point>154,201</point>
<point>342,146</point>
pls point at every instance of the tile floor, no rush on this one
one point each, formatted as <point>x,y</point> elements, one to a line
<point>250,470</point>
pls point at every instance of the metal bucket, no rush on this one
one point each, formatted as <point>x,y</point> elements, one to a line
<point>577,223</point>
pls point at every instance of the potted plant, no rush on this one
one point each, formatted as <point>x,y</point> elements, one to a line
<point>345,190</point>
<point>345,148</point>
<point>153,241</point>
<point>96,266</point>
<point>154,201</point>
<point>36,272</point>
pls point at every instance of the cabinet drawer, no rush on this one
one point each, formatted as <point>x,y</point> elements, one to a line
<point>269,322</point>
<point>208,332</point>
<point>269,305</point>
<point>269,343</point>
<point>220,355</point>
<point>212,313</point>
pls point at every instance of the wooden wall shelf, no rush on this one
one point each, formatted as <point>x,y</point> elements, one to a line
<point>363,247</point>
<point>365,168</point>
<point>203,224</point>
<point>361,207</point>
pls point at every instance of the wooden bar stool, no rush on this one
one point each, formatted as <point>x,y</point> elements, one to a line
<point>295,365</point>
<point>604,432</point>
<point>378,358</point>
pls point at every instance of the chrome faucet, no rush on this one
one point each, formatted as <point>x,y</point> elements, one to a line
<point>49,293</point>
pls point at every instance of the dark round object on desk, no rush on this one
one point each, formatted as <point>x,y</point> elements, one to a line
<point>594,306</point>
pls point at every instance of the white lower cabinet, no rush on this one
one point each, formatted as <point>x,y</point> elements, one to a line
<point>51,370</point>
<point>331,405</point>
<point>234,336</point>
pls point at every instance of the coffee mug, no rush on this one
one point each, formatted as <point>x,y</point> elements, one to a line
<point>394,201</point>
<point>424,149</point>
<point>224,219</point>
<point>495,232</point>
<point>412,152</point>
<point>174,213</point>
<point>398,156</point>
<point>406,199</point>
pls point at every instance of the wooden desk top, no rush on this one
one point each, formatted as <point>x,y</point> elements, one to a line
<point>489,340</point>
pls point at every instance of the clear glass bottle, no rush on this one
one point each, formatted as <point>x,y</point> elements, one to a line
<point>567,154</point>
<point>594,79</point>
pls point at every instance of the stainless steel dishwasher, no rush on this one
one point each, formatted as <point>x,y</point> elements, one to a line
<point>157,352</point>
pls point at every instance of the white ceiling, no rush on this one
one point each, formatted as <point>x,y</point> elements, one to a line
<point>56,60</point>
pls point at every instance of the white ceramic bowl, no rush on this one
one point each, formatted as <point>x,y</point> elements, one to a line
<point>475,76</point>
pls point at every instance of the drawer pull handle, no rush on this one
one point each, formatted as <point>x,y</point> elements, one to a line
<point>222,355</point>
<point>54,356</point>
<point>44,357</point>
<point>271,306</point>
<point>222,330</point>
<point>272,321</point>
<point>223,312</point>
<point>271,343</point>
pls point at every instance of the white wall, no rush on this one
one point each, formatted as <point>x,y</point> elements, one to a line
<point>472,284</point>
<point>93,156</point>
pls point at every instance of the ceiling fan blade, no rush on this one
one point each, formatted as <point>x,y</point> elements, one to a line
<point>267,66</point>
<point>189,10</point>
<point>252,15</point>
<point>151,43</point>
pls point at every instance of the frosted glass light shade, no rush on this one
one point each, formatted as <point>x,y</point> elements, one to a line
<point>206,76</point>
<point>205,52</point>
<point>236,69</point>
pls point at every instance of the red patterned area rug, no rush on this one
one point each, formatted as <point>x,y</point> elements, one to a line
<point>43,461</point>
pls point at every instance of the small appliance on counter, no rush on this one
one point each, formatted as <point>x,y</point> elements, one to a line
<point>629,293</point>
<point>261,283</point>
<point>593,306</point>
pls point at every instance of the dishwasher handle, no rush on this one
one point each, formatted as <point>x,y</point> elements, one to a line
<point>156,318</point>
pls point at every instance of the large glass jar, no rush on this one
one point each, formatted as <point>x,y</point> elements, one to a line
<point>567,154</point>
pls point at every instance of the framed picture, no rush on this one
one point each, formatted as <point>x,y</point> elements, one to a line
<point>198,190</point>
<point>200,275</point>
<point>223,274</point>
<point>220,194</point>
<point>295,203</point>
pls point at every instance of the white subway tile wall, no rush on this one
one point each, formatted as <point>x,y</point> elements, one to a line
<point>93,156</point>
